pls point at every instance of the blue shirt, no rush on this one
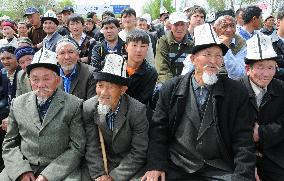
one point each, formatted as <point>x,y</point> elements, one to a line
<point>245,34</point>
<point>67,79</point>
<point>110,117</point>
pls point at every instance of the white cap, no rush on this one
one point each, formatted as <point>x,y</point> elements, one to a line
<point>259,47</point>
<point>177,16</point>
<point>147,17</point>
<point>50,14</point>
<point>163,10</point>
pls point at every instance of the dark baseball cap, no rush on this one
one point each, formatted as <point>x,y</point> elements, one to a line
<point>31,10</point>
<point>68,8</point>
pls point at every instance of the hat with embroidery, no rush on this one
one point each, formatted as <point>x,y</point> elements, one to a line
<point>206,37</point>
<point>9,49</point>
<point>50,15</point>
<point>68,39</point>
<point>44,58</point>
<point>22,51</point>
<point>259,48</point>
<point>163,10</point>
<point>114,70</point>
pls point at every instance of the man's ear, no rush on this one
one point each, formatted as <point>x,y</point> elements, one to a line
<point>123,89</point>
<point>248,68</point>
<point>126,48</point>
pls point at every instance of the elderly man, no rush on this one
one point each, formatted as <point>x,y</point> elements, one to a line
<point>24,56</point>
<point>48,142</point>
<point>114,114</point>
<point>200,129</point>
<point>50,24</point>
<point>234,65</point>
<point>77,77</point>
<point>267,101</point>
<point>172,48</point>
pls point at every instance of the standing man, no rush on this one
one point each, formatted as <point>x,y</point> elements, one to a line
<point>51,144</point>
<point>201,129</point>
<point>115,114</point>
<point>35,33</point>
<point>66,12</point>
<point>77,77</point>
<point>267,101</point>
<point>172,48</point>
<point>50,24</point>
<point>234,64</point>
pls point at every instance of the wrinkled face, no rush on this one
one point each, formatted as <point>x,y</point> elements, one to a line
<point>67,56</point>
<point>49,27</point>
<point>128,21</point>
<point>9,61</point>
<point>262,72</point>
<point>44,81</point>
<point>137,51</point>
<point>179,30</point>
<point>226,27</point>
<point>208,60</point>
<point>34,19</point>
<point>89,26</point>
<point>8,31</point>
<point>109,93</point>
<point>269,22</point>
<point>196,19</point>
<point>24,61</point>
<point>142,25</point>
<point>76,28</point>
<point>110,32</point>
<point>22,29</point>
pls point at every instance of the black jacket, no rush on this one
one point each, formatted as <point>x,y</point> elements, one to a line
<point>270,117</point>
<point>279,49</point>
<point>231,113</point>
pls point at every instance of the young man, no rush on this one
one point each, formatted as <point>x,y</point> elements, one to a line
<point>172,48</point>
<point>201,129</point>
<point>196,17</point>
<point>51,144</point>
<point>77,77</point>
<point>111,44</point>
<point>50,24</point>
<point>66,12</point>
<point>268,25</point>
<point>266,101</point>
<point>115,115</point>
<point>252,20</point>
<point>75,24</point>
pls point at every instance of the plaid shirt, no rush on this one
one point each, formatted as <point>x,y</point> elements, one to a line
<point>110,117</point>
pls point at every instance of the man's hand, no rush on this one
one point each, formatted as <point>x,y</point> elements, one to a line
<point>41,178</point>
<point>28,176</point>
<point>104,178</point>
<point>4,124</point>
<point>225,40</point>
<point>154,175</point>
<point>255,132</point>
<point>256,175</point>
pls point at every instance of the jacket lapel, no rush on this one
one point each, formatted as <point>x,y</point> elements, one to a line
<point>252,98</point>
<point>120,117</point>
<point>75,81</point>
<point>56,105</point>
<point>33,111</point>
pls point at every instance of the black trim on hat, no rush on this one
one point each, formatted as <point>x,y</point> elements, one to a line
<point>51,19</point>
<point>197,48</point>
<point>259,46</point>
<point>103,76</point>
<point>252,61</point>
<point>50,66</point>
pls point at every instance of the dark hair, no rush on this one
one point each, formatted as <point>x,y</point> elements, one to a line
<point>141,19</point>
<point>229,12</point>
<point>128,11</point>
<point>195,9</point>
<point>75,18</point>
<point>90,14</point>
<point>250,12</point>
<point>111,20</point>
<point>90,20</point>
<point>137,35</point>
<point>280,14</point>
<point>238,12</point>
<point>108,13</point>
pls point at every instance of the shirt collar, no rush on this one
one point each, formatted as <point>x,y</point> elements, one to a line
<point>256,89</point>
<point>73,73</point>
<point>196,86</point>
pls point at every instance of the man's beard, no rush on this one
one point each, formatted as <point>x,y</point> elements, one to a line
<point>209,78</point>
<point>68,67</point>
<point>103,109</point>
<point>41,99</point>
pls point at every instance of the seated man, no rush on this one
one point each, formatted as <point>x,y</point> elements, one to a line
<point>77,76</point>
<point>200,129</point>
<point>115,114</point>
<point>234,65</point>
<point>267,101</point>
<point>45,138</point>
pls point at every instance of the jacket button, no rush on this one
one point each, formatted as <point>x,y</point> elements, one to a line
<point>200,142</point>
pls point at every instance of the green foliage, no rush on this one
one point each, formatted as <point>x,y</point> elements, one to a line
<point>216,5</point>
<point>62,3</point>
<point>153,7</point>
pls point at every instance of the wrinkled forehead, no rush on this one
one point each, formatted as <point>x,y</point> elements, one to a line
<point>225,20</point>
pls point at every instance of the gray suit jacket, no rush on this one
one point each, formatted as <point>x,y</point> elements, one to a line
<point>126,147</point>
<point>83,85</point>
<point>23,83</point>
<point>57,144</point>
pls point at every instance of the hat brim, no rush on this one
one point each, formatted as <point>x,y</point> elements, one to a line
<point>197,48</point>
<point>51,19</point>
<point>29,14</point>
<point>252,61</point>
<point>103,76</point>
<point>52,67</point>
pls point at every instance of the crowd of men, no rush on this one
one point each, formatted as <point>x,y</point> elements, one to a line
<point>127,98</point>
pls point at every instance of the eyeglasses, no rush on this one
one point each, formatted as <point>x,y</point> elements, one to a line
<point>209,55</point>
